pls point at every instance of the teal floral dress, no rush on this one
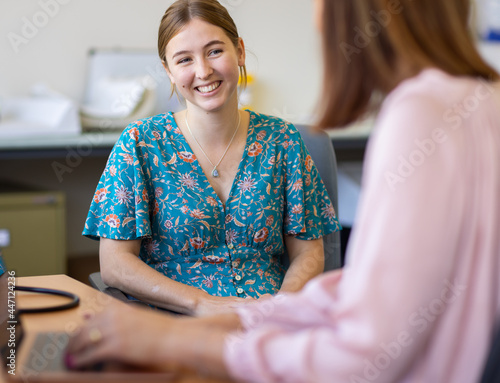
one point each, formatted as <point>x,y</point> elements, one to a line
<point>3,269</point>
<point>153,188</point>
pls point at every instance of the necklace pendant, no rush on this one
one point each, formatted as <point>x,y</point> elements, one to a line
<point>215,173</point>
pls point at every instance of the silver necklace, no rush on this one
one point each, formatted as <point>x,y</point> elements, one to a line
<point>215,172</point>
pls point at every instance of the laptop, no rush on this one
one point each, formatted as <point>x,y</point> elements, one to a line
<point>46,353</point>
<point>40,357</point>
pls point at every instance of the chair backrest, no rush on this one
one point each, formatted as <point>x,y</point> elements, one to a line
<point>320,146</point>
<point>96,282</point>
<point>491,372</point>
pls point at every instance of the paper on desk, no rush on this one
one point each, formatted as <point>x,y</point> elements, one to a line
<point>38,116</point>
<point>115,97</point>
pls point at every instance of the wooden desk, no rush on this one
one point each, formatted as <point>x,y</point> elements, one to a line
<point>91,301</point>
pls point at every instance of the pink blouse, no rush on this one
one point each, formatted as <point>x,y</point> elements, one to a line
<point>420,294</point>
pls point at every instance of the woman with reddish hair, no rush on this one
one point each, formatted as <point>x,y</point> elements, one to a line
<point>419,297</point>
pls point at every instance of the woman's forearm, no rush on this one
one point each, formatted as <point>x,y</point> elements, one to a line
<point>306,262</point>
<point>125,271</point>
<point>122,268</point>
<point>150,339</point>
<point>199,344</point>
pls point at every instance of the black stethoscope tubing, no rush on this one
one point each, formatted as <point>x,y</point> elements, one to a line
<point>75,300</point>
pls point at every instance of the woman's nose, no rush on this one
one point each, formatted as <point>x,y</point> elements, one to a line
<point>203,70</point>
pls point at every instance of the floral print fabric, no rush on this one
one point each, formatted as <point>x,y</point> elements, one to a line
<point>3,269</point>
<point>153,188</point>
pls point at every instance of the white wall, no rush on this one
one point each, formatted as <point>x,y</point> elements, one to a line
<point>282,45</point>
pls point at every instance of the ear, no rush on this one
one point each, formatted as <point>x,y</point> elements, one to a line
<point>240,50</point>
<point>168,72</point>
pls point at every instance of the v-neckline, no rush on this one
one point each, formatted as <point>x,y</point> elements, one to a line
<point>250,131</point>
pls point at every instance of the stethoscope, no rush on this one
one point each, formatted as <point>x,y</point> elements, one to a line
<point>75,300</point>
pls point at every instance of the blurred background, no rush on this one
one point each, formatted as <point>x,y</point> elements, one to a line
<point>63,61</point>
<point>282,45</point>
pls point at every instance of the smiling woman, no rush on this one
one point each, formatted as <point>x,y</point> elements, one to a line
<point>213,14</point>
<point>204,64</point>
<point>196,209</point>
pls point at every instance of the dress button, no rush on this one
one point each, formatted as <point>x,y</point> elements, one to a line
<point>238,277</point>
<point>230,246</point>
<point>239,290</point>
<point>235,264</point>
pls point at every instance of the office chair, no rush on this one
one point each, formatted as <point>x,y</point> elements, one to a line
<point>320,146</point>
<point>97,283</point>
<point>321,149</point>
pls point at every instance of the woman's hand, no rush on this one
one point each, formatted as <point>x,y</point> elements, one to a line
<point>213,305</point>
<point>122,334</point>
<point>126,335</point>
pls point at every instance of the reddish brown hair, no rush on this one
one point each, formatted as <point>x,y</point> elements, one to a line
<point>366,41</point>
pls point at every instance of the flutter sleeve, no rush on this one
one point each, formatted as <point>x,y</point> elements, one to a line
<point>120,206</point>
<point>309,213</point>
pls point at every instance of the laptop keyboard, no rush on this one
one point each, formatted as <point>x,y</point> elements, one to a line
<point>47,353</point>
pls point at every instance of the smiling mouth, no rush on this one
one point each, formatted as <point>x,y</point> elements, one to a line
<point>208,88</point>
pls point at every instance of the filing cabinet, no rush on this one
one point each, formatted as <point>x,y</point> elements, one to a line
<point>32,231</point>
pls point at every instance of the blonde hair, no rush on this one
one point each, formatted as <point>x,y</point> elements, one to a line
<point>365,41</point>
<point>182,12</point>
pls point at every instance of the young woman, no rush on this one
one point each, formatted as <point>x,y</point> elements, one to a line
<point>195,209</point>
<point>419,297</point>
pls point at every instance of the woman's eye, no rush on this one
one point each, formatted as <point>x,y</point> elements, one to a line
<point>215,52</point>
<point>183,61</point>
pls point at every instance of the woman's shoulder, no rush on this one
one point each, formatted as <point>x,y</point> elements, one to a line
<point>436,89</point>
<point>418,103</point>
<point>149,129</point>
<point>273,124</point>
<point>159,121</point>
